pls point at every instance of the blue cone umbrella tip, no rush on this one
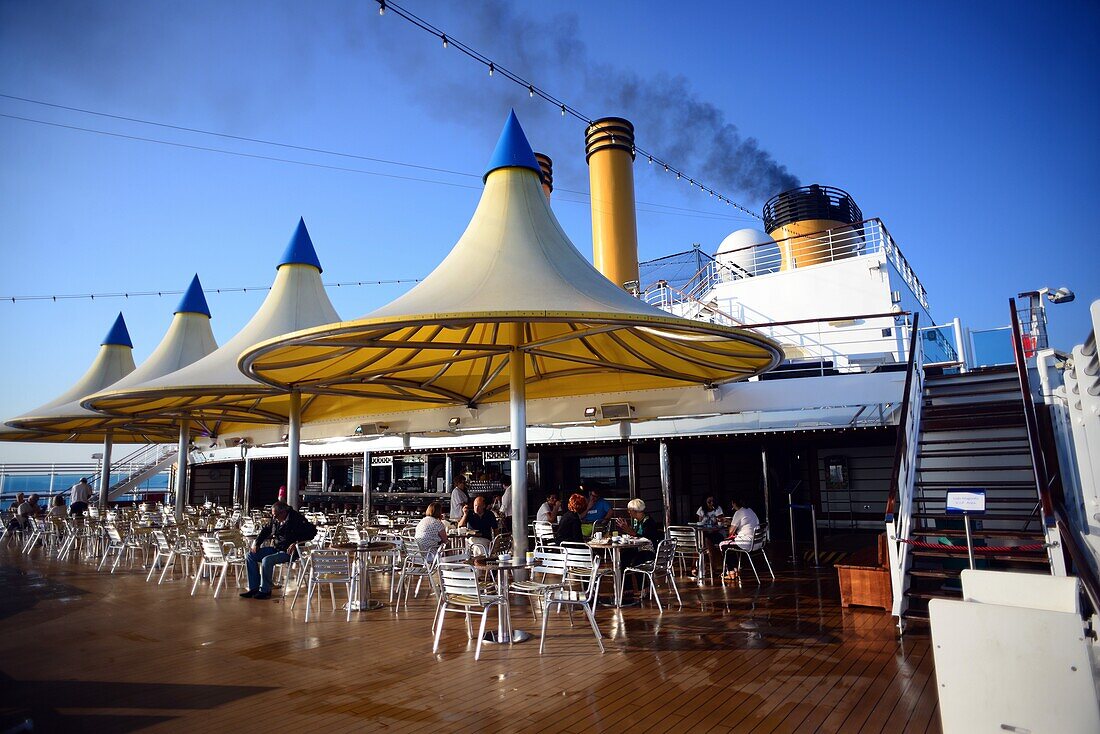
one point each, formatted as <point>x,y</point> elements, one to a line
<point>194,300</point>
<point>300,250</point>
<point>118,334</point>
<point>513,150</point>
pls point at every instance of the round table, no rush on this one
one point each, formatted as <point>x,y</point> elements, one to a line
<point>616,561</point>
<point>503,571</point>
<point>361,550</point>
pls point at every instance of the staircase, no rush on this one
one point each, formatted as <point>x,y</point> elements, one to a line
<point>972,436</point>
<point>136,468</point>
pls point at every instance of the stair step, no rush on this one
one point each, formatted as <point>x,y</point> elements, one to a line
<point>974,453</point>
<point>962,391</point>
<point>1004,517</point>
<point>929,595</point>
<point>1000,484</point>
<point>971,423</point>
<point>958,468</point>
<point>1022,534</point>
<point>1018,557</point>
<point>976,439</point>
<point>916,615</point>
<point>935,573</point>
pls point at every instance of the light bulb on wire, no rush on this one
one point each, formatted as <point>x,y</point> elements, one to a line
<point>531,90</point>
<point>491,67</point>
<point>444,40</point>
<point>381,7</point>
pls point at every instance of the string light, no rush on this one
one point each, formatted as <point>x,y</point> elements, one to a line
<point>206,291</point>
<point>493,67</point>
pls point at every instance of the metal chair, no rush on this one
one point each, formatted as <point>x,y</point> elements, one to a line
<point>759,537</point>
<point>416,565</point>
<point>163,553</point>
<point>462,595</point>
<point>688,547</point>
<point>549,562</point>
<point>331,568</point>
<point>584,598</point>
<point>544,533</point>
<point>214,557</point>
<point>661,565</point>
<point>579,560</point>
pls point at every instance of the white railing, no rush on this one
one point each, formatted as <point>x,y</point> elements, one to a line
<point>864,238</point>
<point>137,462</point>
<point>898,527</point>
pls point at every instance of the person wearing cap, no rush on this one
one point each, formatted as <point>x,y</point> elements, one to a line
<point>79,496</point>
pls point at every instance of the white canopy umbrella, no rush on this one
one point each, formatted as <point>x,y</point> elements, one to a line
<point>514,311</point>
<point>212,392</point>
<point>188,338</point>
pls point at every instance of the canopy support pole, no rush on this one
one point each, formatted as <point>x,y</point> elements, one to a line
<point>293,439</point>
<point>236,484</point>
<point>181,468</point>
<point>105,469</point>
<point>366,488</point>
<point>665,469</point>
<point>246,499</point>
<point>517,411</point>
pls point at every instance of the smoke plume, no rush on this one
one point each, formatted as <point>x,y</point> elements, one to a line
<point>670,118</point>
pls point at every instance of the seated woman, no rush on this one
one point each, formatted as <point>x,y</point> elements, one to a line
<point>568,529</point>
<point>57,507</point>
<point>640,525</point>
<point>431,533</point>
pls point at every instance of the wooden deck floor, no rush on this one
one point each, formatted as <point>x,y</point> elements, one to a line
<point>85,651</point>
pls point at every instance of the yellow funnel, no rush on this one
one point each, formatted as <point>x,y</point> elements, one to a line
<point>609,150</point>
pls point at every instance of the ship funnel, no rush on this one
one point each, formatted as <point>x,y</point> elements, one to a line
<point>813,224</point>
<point>546,173</point>
<point>609,150</point>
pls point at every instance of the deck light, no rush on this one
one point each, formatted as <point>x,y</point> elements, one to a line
<point>454,421</point>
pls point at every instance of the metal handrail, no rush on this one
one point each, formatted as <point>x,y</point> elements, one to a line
<point>1054,511</point>
<point>901,445</point>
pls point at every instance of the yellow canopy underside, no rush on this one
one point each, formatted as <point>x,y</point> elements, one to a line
<point>88,429</point>
<point>403,363</point>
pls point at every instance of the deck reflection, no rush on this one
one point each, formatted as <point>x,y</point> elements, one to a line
<point>776,657</point>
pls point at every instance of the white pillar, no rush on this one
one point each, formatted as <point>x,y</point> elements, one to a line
<point>366,488</point>
<point>181,467</point>
<point>517,411</point>
<point>105,470</point>
<point>236,484</point>
<point>293,439</point>
<point>665,468</point>
<point>246,500</point>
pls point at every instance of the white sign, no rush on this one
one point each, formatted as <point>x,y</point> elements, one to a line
<point>966,502</point>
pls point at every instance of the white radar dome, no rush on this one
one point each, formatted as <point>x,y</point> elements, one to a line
<point>749,252</point>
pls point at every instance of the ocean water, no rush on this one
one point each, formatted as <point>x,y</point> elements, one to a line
<point>40,484</point>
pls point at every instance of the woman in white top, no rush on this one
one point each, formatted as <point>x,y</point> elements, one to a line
<point>431,533</point>
<point>57,507</point>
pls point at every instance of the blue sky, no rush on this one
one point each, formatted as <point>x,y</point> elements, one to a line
<point>971,130</point>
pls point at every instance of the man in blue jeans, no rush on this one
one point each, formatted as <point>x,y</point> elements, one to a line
<point>287,528</point>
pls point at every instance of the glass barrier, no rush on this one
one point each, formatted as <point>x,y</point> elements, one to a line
<point>938,344</point>
<point>991,347</point>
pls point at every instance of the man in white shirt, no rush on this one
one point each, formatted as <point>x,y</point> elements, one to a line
<point>79,496</point>
<point>459,497</point>
<point>743,525</point>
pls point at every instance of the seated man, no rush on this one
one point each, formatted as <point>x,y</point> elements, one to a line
<point>598,509</point>
<point>548,511</point>
<point>483,522</point>
<point>743,527</point>
<point>287,528</point>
